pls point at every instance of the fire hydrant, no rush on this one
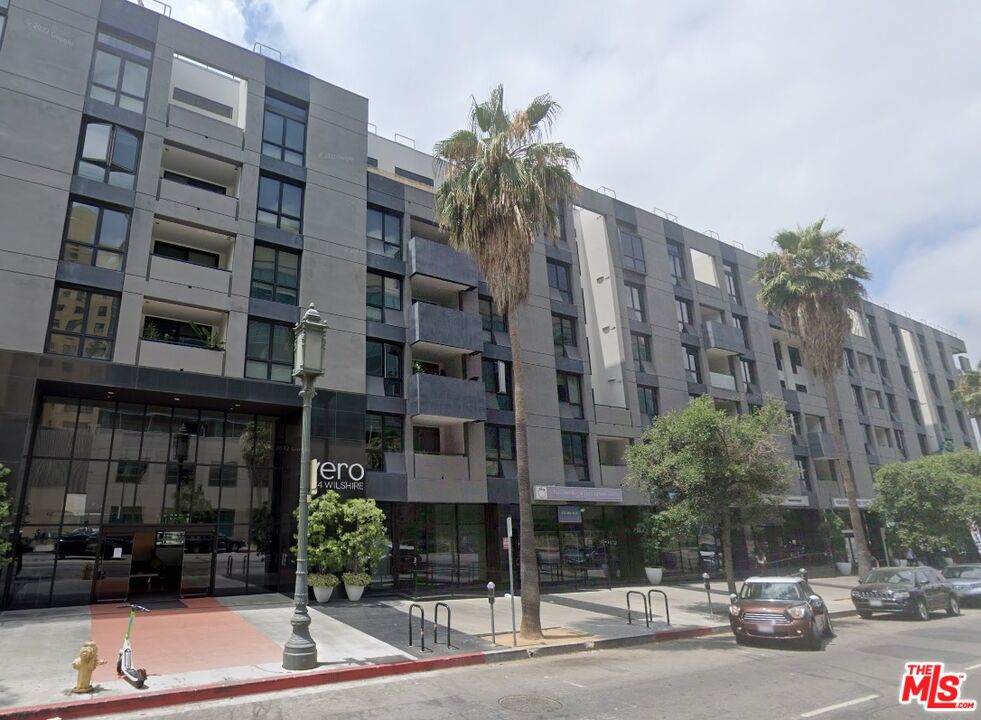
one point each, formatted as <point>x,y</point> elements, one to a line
<point>85,664</point>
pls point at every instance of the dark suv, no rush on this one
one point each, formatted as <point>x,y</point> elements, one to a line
<point>915,591</point>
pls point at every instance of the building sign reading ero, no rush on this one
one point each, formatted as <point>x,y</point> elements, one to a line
<point>346,479</point>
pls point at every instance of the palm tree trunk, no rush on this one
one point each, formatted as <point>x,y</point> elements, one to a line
<point>854,514</point>
<point>531,621</point>
<point>727,549</point>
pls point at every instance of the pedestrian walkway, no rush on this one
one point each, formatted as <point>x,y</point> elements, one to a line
<point>214,641</point>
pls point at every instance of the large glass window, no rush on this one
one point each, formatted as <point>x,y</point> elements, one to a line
<point>632,248</point>
<point>499,446</point>
<point>83,323</point>
<point>284,131</point>
<point>732,282</point>
<point>384,360</point>
<point>563,334</point>
<point>120,72</point>
<point>640,346</point>
<point>676,263</point>
<point>95,235</point>
<point>497,384</point>
<point>492,322</point>
<point>570,392</point>
<point>683,312</point>
<point>382,434</point>
<point>280,203</point>
<point>269,351</point>
<point>647,400</point>
<point>693,370</point>
<point>635,302</point>
<point>186,254</point>
<point>383,293</point>
<point>109,154</point>
<point>384,233</point>
<point>3,18</point>
<point>275,275</point>
<point>575,456</point>
<point>558,280</point>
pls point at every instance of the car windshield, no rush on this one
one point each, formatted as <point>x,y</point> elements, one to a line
<point>974,573</point>
<point>770,591</point>
<point>892,577</point>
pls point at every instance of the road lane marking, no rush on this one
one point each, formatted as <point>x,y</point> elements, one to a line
<point>973,667</point>
<point>575,684</point>
<point>830,708</point>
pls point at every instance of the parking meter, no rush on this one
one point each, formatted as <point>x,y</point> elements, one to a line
<point>708,591</point>
<point>490,593</point>
<point>490,600</point>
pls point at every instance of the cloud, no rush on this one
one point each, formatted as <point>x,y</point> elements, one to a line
<point>740,117</point>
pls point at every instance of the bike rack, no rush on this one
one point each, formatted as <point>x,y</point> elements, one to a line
<point>449,621</point>
<point>422,625</point>
<point>667,613</point>
<point>647,612</point>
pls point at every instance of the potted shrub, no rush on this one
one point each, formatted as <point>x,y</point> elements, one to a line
<point>363,537</point>
<point>832,526</point>
<point>323,585</point>
<point>355,583</point>
<point>655,531</point>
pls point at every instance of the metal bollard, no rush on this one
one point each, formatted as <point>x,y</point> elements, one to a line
<point>708,591</point>
<point>490,600</point>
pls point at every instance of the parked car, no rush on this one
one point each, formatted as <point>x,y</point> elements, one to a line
<point>966,581</point>
<point>914,591</point>
<point>230,544</point>
<point>80,542</point>
<point>779,608</point>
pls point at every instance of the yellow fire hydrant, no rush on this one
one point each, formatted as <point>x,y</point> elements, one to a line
<point>85,664</point>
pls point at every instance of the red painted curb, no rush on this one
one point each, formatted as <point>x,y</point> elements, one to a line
<point>677,634</point>
<point>218,691</point>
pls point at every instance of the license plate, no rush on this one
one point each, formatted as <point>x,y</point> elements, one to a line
<point>875,603</point>
<point>764,629</point>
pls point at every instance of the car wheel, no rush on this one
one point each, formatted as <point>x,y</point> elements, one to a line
<point>922,613</point>
<point>814,640</point>
<point>740,640</point>
<point>829,630</point>
<point>953,607</point>
<point>864,614</point>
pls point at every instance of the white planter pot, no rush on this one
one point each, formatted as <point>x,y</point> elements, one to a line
<point>353,592</point>
<point>844,568</point>
<point>654,575</point>
<point>322,593</point>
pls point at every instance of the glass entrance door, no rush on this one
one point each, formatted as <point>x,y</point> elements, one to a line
<point>115,559</point>
<point>198,566</point>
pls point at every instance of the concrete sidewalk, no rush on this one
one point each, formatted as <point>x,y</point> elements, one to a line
<point>227,646</point>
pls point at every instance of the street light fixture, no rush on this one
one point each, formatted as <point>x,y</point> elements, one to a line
<point>309,342</point>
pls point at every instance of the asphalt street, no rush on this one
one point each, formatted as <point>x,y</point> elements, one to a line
<point>856,675</point>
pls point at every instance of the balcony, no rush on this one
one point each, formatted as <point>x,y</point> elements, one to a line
<point>723,381</point>
<point>209,91</point>
<point>822,445</point>
<point>190,256</point>
<point>441,397</point>
<point>613,475</point>
<point>187,274</point>
<point>431,324</point>
<point>723,339</point>
<point>182,358</point>
<point>198,180</point>
<point>436,260</point>
<point>445,467</point>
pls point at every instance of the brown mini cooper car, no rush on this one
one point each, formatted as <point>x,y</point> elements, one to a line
<point>779,608</point>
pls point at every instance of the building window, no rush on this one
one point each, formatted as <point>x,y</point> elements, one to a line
<point>382,434</point>
<point>647,400</point>
<point>120,72</point>
<point>83,323</point>
<point>743,324</point>
<point>914,408</point>
<point>275,275</point>
<point>640,346</point>
<point>676,263</point>
<point>795,361</point>
<point>425,440</point>
<point>883,370</point>
<point>384,293</point>
<point>384,360</point>
<point>683,311</point>
<point>109,154</point>
<point>570,392</point>
<point>284,130</point>
<point>280,204</point>
<point>95,235</point>
<point>749,374</point>
<point>498,383</point>
<point>186,254</point>
<point>563,334</point>
<point>384,233</point>
<point>177,332</point>
<point>492,322</point>
<point>269,351</point>
<point>875,399</point>
<point>873,331</point>
<point>635,302</point>
<point>802,474</point>
<point>907,377</point>
<point>632,248</point>
<point>859,399</point>
<point>574,455</point>
<point>943,356</point>
<point>690,359</point>
<point>900,442</point>
<point>934,388</point>
<point>3,18</point>
<point>732,282</point>
<point>498,447</point>
<point>558,280</point>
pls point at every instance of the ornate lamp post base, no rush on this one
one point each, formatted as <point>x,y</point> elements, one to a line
<point>300,652</point>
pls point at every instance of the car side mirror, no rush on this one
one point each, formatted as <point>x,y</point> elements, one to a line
<point>733,597</point>
<point>816,601</point>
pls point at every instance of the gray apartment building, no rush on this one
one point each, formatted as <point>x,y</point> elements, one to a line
<point>170,201</point>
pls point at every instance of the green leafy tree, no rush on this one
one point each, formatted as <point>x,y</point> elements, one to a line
<point>968,392</point>
<point>656,529</point>
<point>4,516</point>
<point>504,184</point>
<point>929,502</point>
<point>326,549</point>
<point>365,534</point>
<point>705,466</point>
<point>812,281</point>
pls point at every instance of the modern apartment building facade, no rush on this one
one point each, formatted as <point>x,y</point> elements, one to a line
<point>171,201</point>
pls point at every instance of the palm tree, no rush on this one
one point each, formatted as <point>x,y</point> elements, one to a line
<point>811,283</point>
<point>503,185</point>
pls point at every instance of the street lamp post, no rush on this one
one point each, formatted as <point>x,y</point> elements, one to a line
<point>309,341</point>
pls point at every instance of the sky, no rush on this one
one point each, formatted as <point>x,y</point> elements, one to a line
<point>742,117</point>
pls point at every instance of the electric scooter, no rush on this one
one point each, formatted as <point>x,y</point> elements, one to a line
<point>124,663</point>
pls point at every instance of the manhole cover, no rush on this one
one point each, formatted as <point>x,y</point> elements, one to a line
<point>529,703</point>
